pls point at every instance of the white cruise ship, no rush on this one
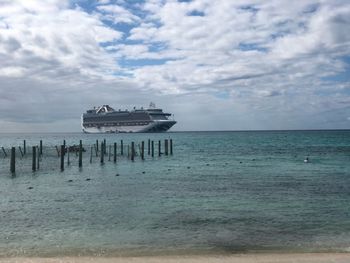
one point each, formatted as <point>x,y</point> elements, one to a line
<point>105,119</point>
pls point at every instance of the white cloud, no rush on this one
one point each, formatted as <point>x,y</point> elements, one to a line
<point>117,14</point>
<point>50,37</point>
<point>262,61</point>
<point>12,71</point>
<point>103,2</point>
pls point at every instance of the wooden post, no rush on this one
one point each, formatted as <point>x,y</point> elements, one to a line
<point>132,151</point>
<point>91,154</point>
<point>37,157</point>
<point>166,146</point>
<point>62,158</point>
<point>149,147</point>
<point>41,148</point>
<point>13,160</point>
<point>105,146</point>
<point>3,149</point>
<point>171,146</point>
<point>115,152</point>
<point>109,152</point>
<point>34,159</point>
<point>142,150</point>
<point>95,150</point>
<point>64,144</point>
<point>121,147</point>
<point>159,147</point>
<point>24,147</point>
<point>80,153</point>
<point>96,147</point>
<point>102,152</point>
<point>152,148</point>
<point>20,149</point>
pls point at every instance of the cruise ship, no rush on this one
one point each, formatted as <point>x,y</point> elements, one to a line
<point>105,119</point>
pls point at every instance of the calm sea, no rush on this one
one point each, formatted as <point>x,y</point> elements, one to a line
<point>219,192</point>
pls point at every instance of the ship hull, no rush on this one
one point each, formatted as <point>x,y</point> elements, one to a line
<point>155,126</point>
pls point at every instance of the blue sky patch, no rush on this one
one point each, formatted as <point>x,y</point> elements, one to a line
<point>251,47</point>
<point>136,63</point>
<point>196,13</point>
<point>222,94</point>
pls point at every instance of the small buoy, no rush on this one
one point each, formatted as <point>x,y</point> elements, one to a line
<point>143,172</point>
<point>88,179</point>
<point>70,180</point>
<point>188,167</point>
<point>169,169</point>
<point>207,164</point>
<point>117,175</point>
<point>30,187</point>
<point>306,160</point>
<point>240,162</point>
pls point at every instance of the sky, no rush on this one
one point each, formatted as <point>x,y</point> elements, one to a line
<point>216,65</point>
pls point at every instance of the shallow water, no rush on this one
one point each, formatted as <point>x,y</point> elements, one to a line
<point>219,192</point>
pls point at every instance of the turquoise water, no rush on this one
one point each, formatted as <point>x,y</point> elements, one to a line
<point>220,192</point>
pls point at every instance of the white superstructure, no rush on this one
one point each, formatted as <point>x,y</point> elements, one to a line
<point>105,119</point>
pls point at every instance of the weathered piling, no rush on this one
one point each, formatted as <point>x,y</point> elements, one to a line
<point>171,146</point>
<point>115,152</point>
<point>96,150</point>
<point>104,146</point>
<point>166,146</point>
<point>132,151</point>
<point>91,154</point>
<point>3,150</point>
<point>34,159</point>
<point>20,150</point>
<point>41,147</point>
<point>13,160</point>
<point>152,148</point>
<point>37,158</point>
<point>24,147</point>
<point>121,147</point>
<point>80,153</point>
<point>102,153</point>
<point>62,157</point>
<point>142,150</point>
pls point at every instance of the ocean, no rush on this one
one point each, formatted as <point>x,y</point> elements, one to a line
<point>220,192</point>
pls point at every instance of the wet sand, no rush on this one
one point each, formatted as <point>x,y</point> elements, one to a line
<point>238,258</point>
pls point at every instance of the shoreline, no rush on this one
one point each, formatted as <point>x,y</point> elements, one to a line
<point>238,258</point>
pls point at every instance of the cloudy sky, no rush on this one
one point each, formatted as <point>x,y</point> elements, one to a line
<point>216,65</point>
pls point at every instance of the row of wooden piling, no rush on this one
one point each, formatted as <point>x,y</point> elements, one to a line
<point>35,158</point>
<point>37,152</point>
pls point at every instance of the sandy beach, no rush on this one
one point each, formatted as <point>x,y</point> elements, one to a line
<point>239,258</point>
